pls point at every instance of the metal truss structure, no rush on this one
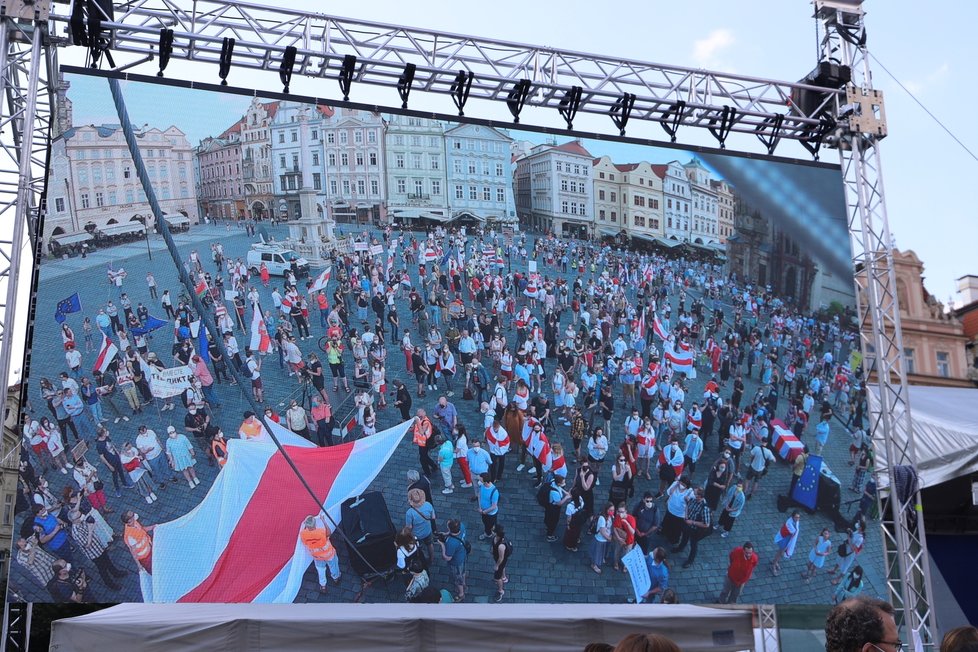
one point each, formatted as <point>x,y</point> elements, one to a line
<point>858,141</point>
<point>243,35</point>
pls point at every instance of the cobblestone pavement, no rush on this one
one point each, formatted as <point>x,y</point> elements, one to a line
<point>538,572</point>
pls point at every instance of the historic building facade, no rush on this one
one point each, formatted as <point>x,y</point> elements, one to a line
<point>354,156</point>
<point>678,198</point>
<point>480,176</point>
<point>555,190</point>
<point>256,159</point>
<point>297,158</point>
<point>220,190</point>
<point>417,180</point>
<point>94,181</point>
<point>705,205</point>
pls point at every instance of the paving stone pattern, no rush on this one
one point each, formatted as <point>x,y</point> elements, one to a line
<point>539,571</point>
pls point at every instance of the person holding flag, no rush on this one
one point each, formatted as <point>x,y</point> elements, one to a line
<point>785,539</point>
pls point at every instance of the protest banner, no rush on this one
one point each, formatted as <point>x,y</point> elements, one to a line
<point>166,383</point>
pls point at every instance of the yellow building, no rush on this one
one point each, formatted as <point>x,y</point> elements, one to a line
<point>628,200</point>
<point>933,340</point>
<point>9,463</point>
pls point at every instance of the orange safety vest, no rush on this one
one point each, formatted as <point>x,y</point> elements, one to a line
<point>422,431</point>
<point>219,450</point>
<point>138,540</point>
<point>318,543</point>
<point>250,430</point>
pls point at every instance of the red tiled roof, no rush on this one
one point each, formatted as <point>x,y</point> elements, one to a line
<point>271,108</point>
<point>325,110</point>
<point>627,167</point>
<point>574,147</point>
<point>660,170</point>
<point>233,129</point>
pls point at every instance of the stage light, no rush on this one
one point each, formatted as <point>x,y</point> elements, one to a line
<point>404,84</point>
<point>227,49</point>
<point>813,137</point>
<point>517,98</point>
<point>460,89</point>
<point>727,118</point>
<point>621,110</point>
<point>569,104</point>
<point>771,140</point>
<point>76,24</point>
<point>346,75</point>
<point>672,118</point>
<point>166,49</point>
<point>285,68</point>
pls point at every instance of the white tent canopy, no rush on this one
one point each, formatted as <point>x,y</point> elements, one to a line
<point>404,627</point>
<point>945,428</point>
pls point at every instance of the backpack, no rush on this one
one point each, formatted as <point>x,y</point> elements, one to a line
<point>592,525</point>
<point>543,494</point>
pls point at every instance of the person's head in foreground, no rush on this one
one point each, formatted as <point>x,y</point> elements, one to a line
<point>862,624</point>
<point>961,639</point>
<point>646,643</point>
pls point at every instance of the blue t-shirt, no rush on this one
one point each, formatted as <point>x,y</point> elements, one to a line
<point>420,520</point>
<point>455,549</point>
<point>48,524</point>
<point>487,497</point>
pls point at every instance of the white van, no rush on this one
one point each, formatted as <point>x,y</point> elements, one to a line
<point>277,259</point>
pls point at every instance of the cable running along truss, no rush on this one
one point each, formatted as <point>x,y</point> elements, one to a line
<point>443,63</point>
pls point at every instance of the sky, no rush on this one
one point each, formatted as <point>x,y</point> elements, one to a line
<point>930,201</point>
<point>931,206</point>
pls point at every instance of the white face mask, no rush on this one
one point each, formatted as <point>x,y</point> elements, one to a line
<point>135,517</point>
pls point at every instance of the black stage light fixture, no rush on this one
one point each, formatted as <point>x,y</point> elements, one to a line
<point>166,49</point>
<point>769,132</point>
<point>672,118</point>
<point>346,75</point>
<point>460,89</point>
<point>621,110</point>
<point>285,68</point>
<point>569,104</point>
<point>517,98</point>
<point>404,84</point>
<point>727,118</point>
<point>813,138</point>
<point>98,12</point>
<point>227,49</point>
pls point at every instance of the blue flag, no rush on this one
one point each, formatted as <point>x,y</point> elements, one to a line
<point>202,343</point>
<point>806,491</point>
<point>152,323</point>
<point>444,259</point>
<point>67,306</point>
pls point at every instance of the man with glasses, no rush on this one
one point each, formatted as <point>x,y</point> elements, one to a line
<point>862,624</point>
<point>647,521</point>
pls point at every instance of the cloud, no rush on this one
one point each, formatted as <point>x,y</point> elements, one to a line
<point>707,52</point>
<point>933,78</point>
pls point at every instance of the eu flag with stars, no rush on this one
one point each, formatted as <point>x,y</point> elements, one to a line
<point>67,306</point>
<point>152,323</point>
<point>806,490</point>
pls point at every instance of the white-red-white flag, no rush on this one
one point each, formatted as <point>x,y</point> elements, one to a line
<point>106,354</point>
<point>681,361</point>
<point>260,340</point>
<point>321,281</point>
<point>659,329</point>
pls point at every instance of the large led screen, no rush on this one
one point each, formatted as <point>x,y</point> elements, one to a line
<point>301,352</point>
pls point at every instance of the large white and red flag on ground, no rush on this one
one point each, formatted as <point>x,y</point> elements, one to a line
<point>321,281</point>
<point>260,340</point>
<point>659,329</point>
<point>106,354</point>
<point>241,543</point>
<point>681,361</point>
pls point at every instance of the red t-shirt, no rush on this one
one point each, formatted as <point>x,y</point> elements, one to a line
<point>619,523</point>
<point>741,569</point>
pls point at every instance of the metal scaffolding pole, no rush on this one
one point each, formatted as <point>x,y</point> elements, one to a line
<point>862,127</point>
<point>668,95</point>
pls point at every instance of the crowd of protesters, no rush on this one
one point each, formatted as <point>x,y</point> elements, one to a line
<point>582,371</point>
